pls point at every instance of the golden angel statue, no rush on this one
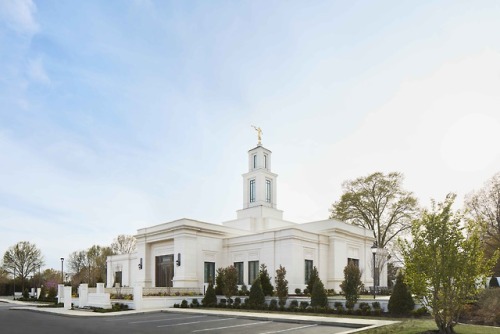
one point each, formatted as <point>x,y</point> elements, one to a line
<point>259,133</point>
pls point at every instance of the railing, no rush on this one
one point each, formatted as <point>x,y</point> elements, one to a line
<point>156,292</point>
<point>120,291</point>
<point>162,291</point>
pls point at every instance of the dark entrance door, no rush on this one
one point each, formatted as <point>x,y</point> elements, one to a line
<point>164,270</point>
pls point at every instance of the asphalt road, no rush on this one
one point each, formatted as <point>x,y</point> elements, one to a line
<point>23,321</point>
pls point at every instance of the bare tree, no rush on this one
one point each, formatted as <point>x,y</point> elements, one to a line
<point>377,202</point>
<point>124,244</point>
<point>77,261</point>
<point>22,259</point>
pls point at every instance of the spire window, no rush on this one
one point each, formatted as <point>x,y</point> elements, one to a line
<point>252,190</point>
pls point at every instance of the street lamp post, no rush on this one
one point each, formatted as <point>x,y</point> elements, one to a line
<point>374,251</point>
<point>62,270</point>
<point>14,280</point>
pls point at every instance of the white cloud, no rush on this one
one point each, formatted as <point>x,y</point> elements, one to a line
<point>19,15</point>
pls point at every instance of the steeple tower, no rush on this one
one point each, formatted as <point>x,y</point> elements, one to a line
<point>259,186</point>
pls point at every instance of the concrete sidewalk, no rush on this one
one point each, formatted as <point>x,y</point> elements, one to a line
<point>352,324</point>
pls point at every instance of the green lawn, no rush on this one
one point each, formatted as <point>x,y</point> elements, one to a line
<point>415,326</point>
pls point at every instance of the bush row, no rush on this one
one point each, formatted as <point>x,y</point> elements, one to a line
<point>364,309</point>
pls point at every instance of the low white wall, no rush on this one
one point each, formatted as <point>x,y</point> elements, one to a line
<point>96,299</point>
<point>166,302</point>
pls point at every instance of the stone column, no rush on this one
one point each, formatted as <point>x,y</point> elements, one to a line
<point>83,293</point>
<point>138,297</point>
<point>185,275</point>
<point>100,288</point>
<point>60,293</point>
<point>67,297</point>
<point>143,276</point>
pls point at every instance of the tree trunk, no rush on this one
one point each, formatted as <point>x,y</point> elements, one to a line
<point>446,329</point>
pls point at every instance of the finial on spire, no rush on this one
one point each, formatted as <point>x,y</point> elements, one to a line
<point>259,134</point>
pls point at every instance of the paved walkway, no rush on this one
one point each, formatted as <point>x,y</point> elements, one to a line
<point>352,324</point>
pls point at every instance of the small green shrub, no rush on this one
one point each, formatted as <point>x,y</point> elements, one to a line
<point>365,308</point>
<point>265,281</point>
<point>195,303</point>
<point>52,293</point>
<point>351,285</point>
<point>210,299</point>
<point>273,305</point>
<point>219,281</point>
<point>339,307</point>
<point>243,291</point>
<point>419,312</point>
<point>494,282</point>
<point>256,298</point>
<point>43,292</point>
<point>119,307</point>
<point>184,304</point>
<point>318,296</point>
<point>401,302</point>
<point>312,279</point>
<point>304,304</point>
<point>298,291</point>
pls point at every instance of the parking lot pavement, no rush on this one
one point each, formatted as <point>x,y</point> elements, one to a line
<point>191,321</point>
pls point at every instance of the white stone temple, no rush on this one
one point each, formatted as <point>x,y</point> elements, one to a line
<point>185,253</point>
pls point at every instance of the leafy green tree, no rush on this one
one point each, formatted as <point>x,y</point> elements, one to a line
<point>352,285</point>
<point>230,282</point>
<point>22,259</point>
<point>210,299</point>
<point>318,295</point>
<point>219,281</point>
<point>256,298</point>
<point>312,279</point>
<point>265,280</point>
<point>444,261</point>
<point>401,301</point>
<point>377,202</point>
<point>96,261</point>
<point>281,286</point>
<point>484,206</point>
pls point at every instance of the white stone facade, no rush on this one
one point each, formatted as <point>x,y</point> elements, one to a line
<point>182,253</point>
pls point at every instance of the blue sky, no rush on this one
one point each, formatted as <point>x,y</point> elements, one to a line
<point>117,115</point>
